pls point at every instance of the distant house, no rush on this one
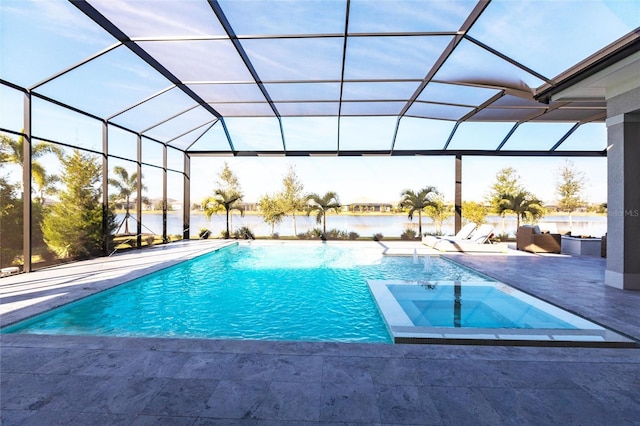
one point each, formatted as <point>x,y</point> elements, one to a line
<point>370,207</point>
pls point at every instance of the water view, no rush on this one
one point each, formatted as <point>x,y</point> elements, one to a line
<point>364,225</point>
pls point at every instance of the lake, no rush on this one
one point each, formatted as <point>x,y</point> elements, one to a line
<point>364,225</point>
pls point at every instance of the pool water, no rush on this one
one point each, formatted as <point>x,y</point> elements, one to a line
<point>251,291</point>
<point>476,306</point>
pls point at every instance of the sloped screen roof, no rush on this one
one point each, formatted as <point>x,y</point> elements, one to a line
<point>344,77</point>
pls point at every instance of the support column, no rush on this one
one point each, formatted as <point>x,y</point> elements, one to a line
<point>106,229</point>
<point>458,195</point>
<point>623,201</point>
<point>186,198</point>
<point>139,195</point>
<point>26,184</point>
<point>164,194</point>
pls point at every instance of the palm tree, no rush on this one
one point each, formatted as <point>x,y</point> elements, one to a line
<point>417,202</point>
<point>524,204</point>
<point>45,184</point>
<point>12,151</point>
<point>126,185</point>
<point>322,205</point>
<point>227,200</point>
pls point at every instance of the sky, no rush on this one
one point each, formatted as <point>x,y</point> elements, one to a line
<point>382,179</point>
<point>59,35</point>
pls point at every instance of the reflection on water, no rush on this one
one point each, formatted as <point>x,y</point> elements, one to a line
<point>365,225</point>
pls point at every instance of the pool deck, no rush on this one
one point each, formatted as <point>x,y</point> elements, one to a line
<point>135,381</point>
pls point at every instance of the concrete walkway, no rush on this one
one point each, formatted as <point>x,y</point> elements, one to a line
<point>79,380</point>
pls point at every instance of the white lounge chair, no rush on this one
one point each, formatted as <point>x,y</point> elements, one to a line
<point>463,234</point>
<point>477,242</point>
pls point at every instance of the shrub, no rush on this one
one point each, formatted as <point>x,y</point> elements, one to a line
<point>353,235</point>
<point>243,233</point>
<point>377,237</point>
<point>275,235</point>
<point>204,234</point>
<point>409,234</point>
<point>303,235</point>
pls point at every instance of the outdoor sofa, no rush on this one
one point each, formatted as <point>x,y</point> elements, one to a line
<point>530,238</point>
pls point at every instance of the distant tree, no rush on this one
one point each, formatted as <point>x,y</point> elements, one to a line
<point>569,185</point>
<point>227,180</point>
<point>72,227</point>
<point>438,211</point>
<point>227,183</point>
<point>507,183</point>
<point>225,200</point>
<point>417,201</point>
<point>524,204</point>
<point>273,210</point>
<point>474,212</point>
<point>322,205</point>
<point>292,196</point>
<point>126,185</point>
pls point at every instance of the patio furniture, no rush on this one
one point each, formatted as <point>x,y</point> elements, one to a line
<point>531,239</point>
<point>464,233</point>
<point>477,242</point>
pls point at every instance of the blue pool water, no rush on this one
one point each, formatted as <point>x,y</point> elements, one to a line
<point>475,306</point>
<point>276,292</point>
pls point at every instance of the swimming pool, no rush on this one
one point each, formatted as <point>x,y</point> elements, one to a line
<point>308,291</point>
<point>311,292</point>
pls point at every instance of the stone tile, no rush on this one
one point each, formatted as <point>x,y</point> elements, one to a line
<point>608,376</point>
<point>295,368</point>
<point>21,359</point>
<point>181,397</point>
<point>144,420</point>
<point>102,419</point>
<point>249,366</point>
<point>464,406</point>
<point>399,371</point>
<point>225,422</point>
<point>125,395</point>
<point>337,369</point>
<point>463,373</point>
<point>72,361</point>
<point>548,406</point>
<point>236,400</point>
<point>349,402</point>
<point>292,401</point>
<point>406,405</point>
<point>208,366</point>
<point>35,417</point>
<point>538,375</point>
<point>47,391</point>
<point>625,402</point>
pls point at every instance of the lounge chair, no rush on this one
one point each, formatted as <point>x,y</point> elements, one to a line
<point>463,234</point>
<point>477,242</point>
